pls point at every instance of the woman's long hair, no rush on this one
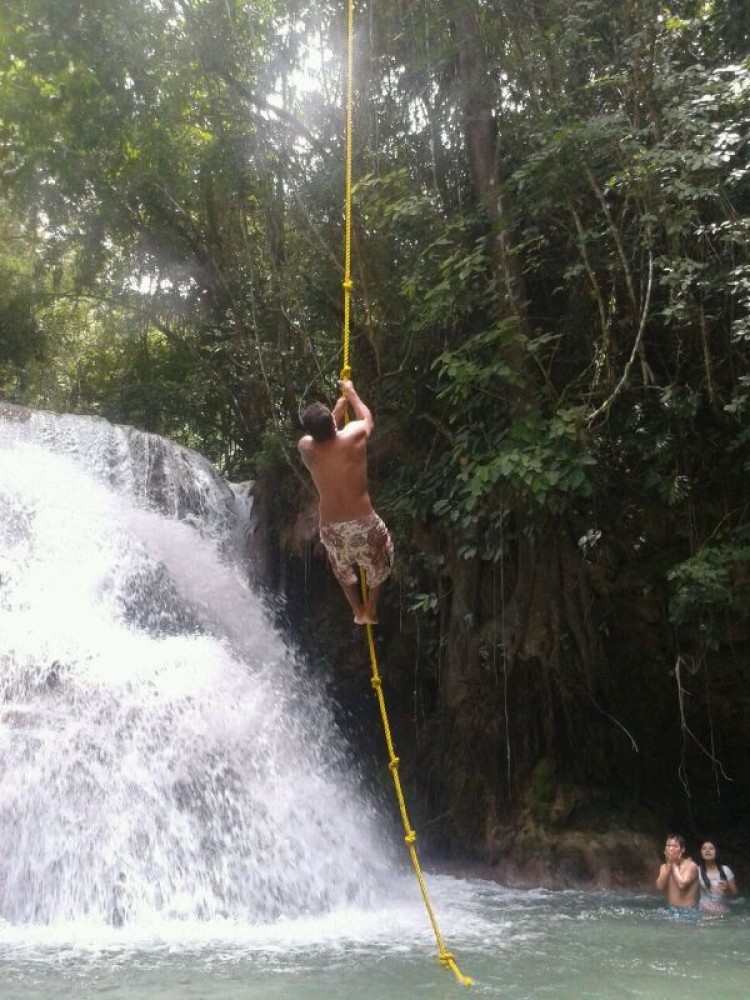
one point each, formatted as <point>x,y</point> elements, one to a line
<point>702,866</point>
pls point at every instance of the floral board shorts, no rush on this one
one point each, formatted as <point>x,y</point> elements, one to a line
<point>364,542</point>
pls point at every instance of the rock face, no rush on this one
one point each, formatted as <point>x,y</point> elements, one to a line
<point>619,859</point>
<point>622,860</point>
<point>13,413</point>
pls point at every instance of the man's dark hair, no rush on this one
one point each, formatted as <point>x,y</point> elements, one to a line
<point>317,421</point>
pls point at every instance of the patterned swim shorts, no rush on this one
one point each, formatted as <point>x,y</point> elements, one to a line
<point>364,542</point>
<point>688,913</point>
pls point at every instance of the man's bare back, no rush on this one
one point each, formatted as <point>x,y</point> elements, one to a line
<point>339,470</point>
<point>350,530</point>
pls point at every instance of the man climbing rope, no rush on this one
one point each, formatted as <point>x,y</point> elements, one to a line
<point>350,530</point>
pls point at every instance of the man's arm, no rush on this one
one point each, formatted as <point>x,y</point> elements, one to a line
<point>663,877</point>
<point>686,880</point>
<point>304,446</point>
<point>361,412</point>
<point>339,410</point>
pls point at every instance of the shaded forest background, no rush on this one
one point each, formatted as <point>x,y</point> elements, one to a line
<point>551,323</point>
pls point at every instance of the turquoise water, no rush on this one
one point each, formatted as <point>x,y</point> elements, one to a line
<point>515,945</point>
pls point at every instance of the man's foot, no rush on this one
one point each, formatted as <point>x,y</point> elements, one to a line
<point>360,614</point>
<point>365,618</point>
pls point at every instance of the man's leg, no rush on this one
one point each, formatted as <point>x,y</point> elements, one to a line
<point>378,564</point>
<point>369,608</point>
<point>351,590</point>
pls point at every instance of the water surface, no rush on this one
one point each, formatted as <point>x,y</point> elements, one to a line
<point>516,945</point>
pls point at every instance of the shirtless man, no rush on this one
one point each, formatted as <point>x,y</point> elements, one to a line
<point>350,530</point>
<point>678,877</point>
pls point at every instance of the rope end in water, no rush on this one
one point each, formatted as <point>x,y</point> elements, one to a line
<point>448,961</point>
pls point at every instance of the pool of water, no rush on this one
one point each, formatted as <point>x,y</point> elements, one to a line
<point>514,944</point>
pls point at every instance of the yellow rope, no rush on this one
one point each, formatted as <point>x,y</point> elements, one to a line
<point>348,284</point>
<point>445,958</point>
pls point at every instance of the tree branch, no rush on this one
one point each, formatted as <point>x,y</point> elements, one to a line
<point>636,346</point>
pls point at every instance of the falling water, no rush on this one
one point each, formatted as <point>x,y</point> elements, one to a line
<point>162,753</point>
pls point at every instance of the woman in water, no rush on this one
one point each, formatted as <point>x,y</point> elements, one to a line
<point>715,879</point>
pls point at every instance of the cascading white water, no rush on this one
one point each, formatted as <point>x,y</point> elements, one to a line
<point>162,752</point>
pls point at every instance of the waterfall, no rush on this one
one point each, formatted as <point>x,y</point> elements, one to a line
<point>162,750</point>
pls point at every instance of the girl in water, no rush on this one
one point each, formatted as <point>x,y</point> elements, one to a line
<point>716,881</point>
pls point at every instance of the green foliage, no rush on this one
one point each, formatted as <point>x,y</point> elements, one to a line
<point>715,581</point>
<point>534,461</point>
<point>138,153</point>
<point>21,339</point>
<point>476,371</point>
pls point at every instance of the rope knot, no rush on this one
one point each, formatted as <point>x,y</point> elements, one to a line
<point>393,763</point>
<point>376,683</point>
<point>410,838</point>
<point>448,961</point>
<point>348,285</point>
<point>346,373</point>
